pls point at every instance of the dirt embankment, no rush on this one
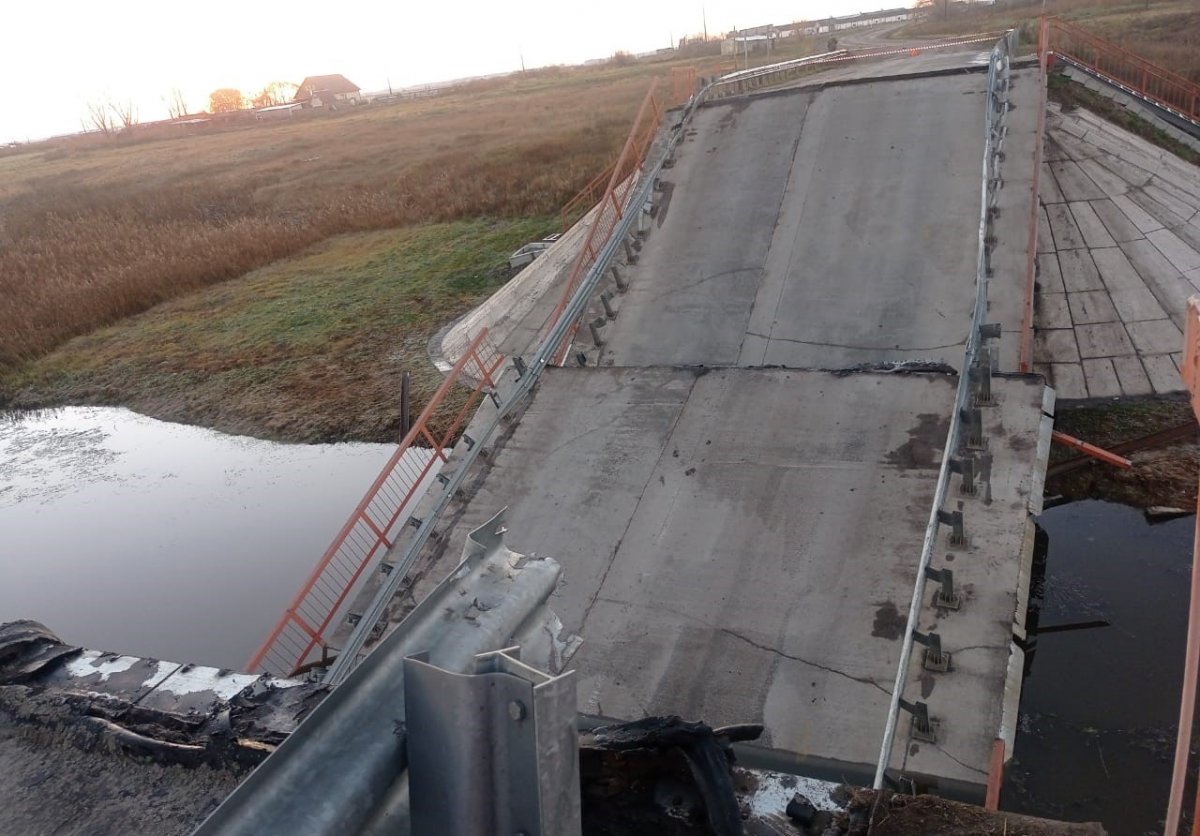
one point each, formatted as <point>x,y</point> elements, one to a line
<point>1161,475</point>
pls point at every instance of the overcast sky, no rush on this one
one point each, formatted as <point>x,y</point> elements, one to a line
<point>59,55</point>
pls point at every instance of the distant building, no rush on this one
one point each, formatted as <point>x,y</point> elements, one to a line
<point>282,111</point>
<point>740,44</point>
<point>327,91</point>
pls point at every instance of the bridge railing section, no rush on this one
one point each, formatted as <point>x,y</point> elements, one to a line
<point>303,632</point>
<point>630,185</point>
<point>613,203</point>
<point>963,451</point>
<point>1127,70</point>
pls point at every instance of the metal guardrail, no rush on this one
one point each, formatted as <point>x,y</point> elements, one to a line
<point>745,80</point>
<point>1119,66</point>
<point>613,205</point>
<point>974,391</point>
<point>303,629</point>
<point>552,346</point>
<point>341,770</point>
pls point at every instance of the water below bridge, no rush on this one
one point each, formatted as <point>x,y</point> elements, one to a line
<point>129,534</point>
<point>1099,708</point>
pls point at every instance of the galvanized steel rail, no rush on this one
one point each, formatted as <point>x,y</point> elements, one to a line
<point>549,349</point>
<point>996,108</point>
<point>304,627</point>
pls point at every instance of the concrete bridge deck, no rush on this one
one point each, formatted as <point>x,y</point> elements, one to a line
<point>739,514</point>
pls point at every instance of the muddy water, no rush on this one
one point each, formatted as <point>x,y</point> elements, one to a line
<point>123,533</point>
<point>1100,706</point>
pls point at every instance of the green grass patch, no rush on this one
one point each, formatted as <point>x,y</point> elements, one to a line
<point>310,348</point>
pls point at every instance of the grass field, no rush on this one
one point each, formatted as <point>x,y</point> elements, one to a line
<point>94,231</point>
<point>310,348</point>
<point>1166,32</point>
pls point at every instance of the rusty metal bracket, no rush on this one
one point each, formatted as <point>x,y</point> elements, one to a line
<point>944,597</point>
<point>936,659</point>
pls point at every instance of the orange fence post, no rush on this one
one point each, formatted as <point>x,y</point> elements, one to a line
<point>1092,450</point>
<point>995,775</point>
<point>365,533</point>
<point>1191,663</point>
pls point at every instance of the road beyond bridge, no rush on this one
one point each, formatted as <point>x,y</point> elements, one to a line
<point>738,482</point>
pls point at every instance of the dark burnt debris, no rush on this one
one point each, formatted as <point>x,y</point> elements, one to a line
<point>169,713</point>
<point>153,747</point>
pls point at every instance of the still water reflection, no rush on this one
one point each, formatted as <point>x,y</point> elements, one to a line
<point>123,533</point>
<point>1100,706</point>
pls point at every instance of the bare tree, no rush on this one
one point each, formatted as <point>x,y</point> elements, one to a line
<point>125,112</point>
<point>176,106</point>
<point>275,93</point>
<point>98,117</point>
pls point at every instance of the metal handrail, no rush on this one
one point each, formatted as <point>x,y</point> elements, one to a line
<point>302,628</point>
<point>1122,67</point>
<point>998,67</point>
<point>549,349</point>
<point>614,202</point>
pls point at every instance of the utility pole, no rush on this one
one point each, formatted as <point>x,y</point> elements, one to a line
<point>704,19</point>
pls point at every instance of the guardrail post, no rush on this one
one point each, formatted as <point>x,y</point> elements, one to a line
<point>965,467</point>
<point>935,658</point>
<point>945,597</point>
<point>505,712</point>
<point>594,326</point>
<point>630,255</point>
<point>622,286</point>
<point>924,727</point>
<point>972,419</point>
<point>606,301</point>
<point>958,531</point>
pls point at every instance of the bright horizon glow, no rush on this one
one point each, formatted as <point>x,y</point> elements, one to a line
<point>63,56</point>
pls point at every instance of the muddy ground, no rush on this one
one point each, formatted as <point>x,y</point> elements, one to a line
<point>927,815</point>
<point>1160,476</point>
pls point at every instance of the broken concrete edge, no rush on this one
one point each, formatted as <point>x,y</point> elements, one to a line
<point>1145,109</point>
<point>507,379</point>
<point>165,712</point>
<point>513,300</point>
<point>817,85</point>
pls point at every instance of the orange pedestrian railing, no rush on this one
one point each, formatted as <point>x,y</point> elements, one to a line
<point>1076,45</point>
<point>1190,370</point>
<point>611,205</point>
<point>302,634</point>
<point>683,85</point>
<point>589,196</point>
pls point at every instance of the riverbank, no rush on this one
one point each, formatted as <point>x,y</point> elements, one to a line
<point>308,349</point>
<point>1162,475</point>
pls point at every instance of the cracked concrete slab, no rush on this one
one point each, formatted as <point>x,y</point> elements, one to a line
<point>1116,222</point>
<point>1106,339</point>
<point>1053,310</point>
<point>1049,275</point>
<point>1101,378</point>
<point>1132,376</point>
<point>745,512</point>
<point>1062,224</point>
<point>1127,286</point>
<point>1078,270</point>
<point>1094,232</point>
<point>1090,307</point>
<point>768,254</point>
